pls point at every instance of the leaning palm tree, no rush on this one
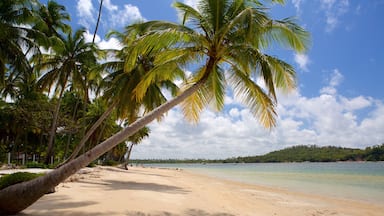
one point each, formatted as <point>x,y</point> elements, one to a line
<point>118,85</point>
<point>64,66</point>
<point>135,139</point>
<point>226,38</point>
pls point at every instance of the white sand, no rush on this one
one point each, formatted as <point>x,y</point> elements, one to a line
<point>150,191</point>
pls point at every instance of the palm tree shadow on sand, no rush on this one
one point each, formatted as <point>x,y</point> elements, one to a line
<point>189,212</point>
<point>132,185</point>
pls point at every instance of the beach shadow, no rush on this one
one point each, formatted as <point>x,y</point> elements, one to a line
<point>199,212</point>
<point>149,174</point>
<point>131,185</point>
<point>71,213</point>
<point>54,205</point>
<point>189,212</point>
<point>133,171</point>
<point>146,214</point>
<point>60,202</point>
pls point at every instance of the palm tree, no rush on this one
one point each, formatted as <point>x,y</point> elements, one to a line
<point>65,65</point>
<point>135,139</point>
<point>226,37</point>
<point>15,37</point>
<point>119,84</point>
<point>51,19</point>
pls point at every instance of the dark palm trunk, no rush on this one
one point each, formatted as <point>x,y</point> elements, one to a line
<point>52,133</point>
<point>128,156</point>
<point>98,21</point>
<point>70,135</point>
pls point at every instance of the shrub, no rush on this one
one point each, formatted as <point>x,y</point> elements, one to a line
<point>36,165</point>
<point>110,163</point>
<point>11,179</point>
<point>93,164</point>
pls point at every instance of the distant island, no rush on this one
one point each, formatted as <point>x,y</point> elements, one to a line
<point>301,153</point>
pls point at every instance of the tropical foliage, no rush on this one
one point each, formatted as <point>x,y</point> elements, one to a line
<point>314,153</point>
<point>300,153</point>
<point>47,68</point>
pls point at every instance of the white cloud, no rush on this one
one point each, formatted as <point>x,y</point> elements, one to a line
<point>325,119</point>
<point>335,80</point>
<point>85,12</point>
<point>89,36</point>
<point>111,43</point>
<point>110,7</point>
<point>333,11</point>
<point>192,3</point>
<point>112,16</point>
<point>125,16</point>
<point>297,4</point>
<point>356,103</point>
<point>302,60</point>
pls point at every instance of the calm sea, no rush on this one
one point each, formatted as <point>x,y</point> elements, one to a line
<point>362,181</point>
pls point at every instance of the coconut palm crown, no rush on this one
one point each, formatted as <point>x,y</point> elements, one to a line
<point>227,37</point>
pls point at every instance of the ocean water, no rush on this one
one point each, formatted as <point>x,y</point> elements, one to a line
<point>363,181</point>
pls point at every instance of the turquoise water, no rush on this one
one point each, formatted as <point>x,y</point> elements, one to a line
<point>362,181</point>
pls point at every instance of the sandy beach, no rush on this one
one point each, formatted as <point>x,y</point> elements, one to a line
<point>103,191</point>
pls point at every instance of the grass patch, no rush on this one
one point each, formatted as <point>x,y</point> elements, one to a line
<point>11,179</point>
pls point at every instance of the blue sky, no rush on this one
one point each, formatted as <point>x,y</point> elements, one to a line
<point>340,95</point>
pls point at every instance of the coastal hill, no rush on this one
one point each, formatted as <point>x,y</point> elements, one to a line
<point>301,153</point>
<point>315,153</point>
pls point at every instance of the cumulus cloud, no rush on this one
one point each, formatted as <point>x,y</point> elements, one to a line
<point>297,4</point>
<point>113,16</point>
<point>335,80</point>
<point>104,44</point>
<point>126,15</point>
<point>333,11</point>
<point>110,6</point>
<point>325,119</point>
<point>192,3</point>
<point>85,12</point>
<point>302,60</point>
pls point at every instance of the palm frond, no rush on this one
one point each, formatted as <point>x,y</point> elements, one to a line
<point>284,76</point>
<point>253,96</point>
<point>287,33</point>
<point>216,85</point>
<point>194,104</point>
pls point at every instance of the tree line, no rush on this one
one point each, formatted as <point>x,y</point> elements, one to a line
<point>45,105</point>
<point>313,153</point>
<point>300,153</point>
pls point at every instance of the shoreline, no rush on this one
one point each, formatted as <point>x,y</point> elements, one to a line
<point>158,191</point>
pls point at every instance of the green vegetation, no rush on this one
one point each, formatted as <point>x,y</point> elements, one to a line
<point>316,154</point>
<point>299,153</point>
<point>14,178</point>
<point>46,111</point>
<point>48,72</point>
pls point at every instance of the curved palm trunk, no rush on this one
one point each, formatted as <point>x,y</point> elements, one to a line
<point>16,198</point>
